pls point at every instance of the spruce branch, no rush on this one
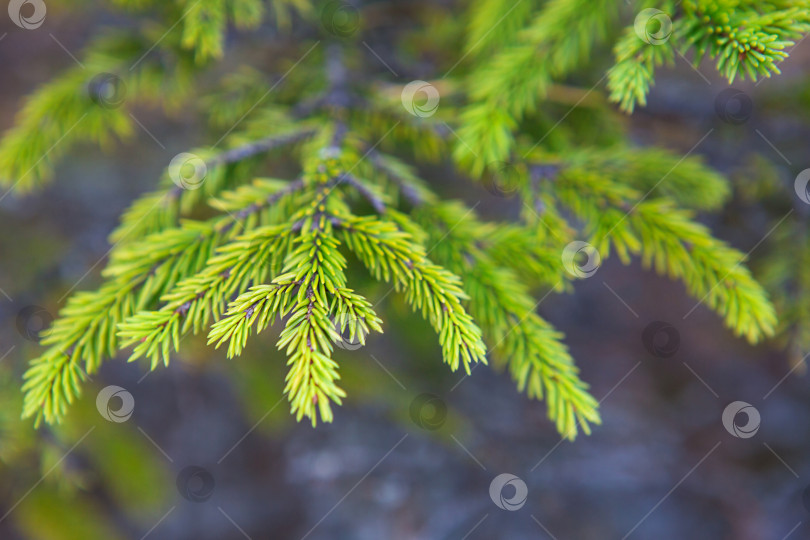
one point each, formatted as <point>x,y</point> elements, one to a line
<point>160,209</point>
<point>84,332</point>
<point>242,253</point>
<point>410,186</point>
<point>517,75</point>
<point>137,275</point>
<point>521,340</point>
<point>198,299</point>
<point>82,104</point>
<point>305,292</point>
<point>630,79</point>
<point>375,199</point>
<point>744,38</point>
<point>657,173</point>
<point>668,239</point>
<point>390,255</point>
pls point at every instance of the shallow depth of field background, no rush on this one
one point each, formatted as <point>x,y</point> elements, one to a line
<point>662,457</point>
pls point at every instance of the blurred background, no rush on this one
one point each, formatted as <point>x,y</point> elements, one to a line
<point>211,451</point>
